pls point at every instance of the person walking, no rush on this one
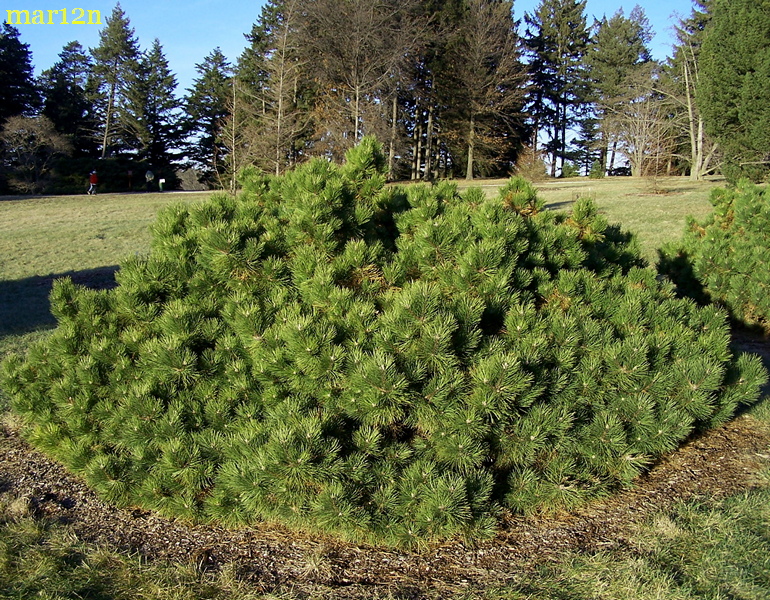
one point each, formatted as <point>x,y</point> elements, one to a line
<point>93,181</point>
<point>149,177</point>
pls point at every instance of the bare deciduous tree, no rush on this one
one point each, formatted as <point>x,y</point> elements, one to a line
<point>642,121</point>
<point>489,81</point>
<point>353,48</point>
<point>29,146</point>
<point>282,119</point>
<point>237,136</point>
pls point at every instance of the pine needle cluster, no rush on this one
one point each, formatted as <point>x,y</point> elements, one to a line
<point>726,258</point>
<point>388,364</point>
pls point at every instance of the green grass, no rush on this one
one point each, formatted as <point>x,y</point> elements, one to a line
<point>40,560</point>
<point>655,210</point>
<point>710,549</point>
<point>83,236</point>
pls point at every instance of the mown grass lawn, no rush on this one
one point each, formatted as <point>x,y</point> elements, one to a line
<point>654,209</point>
<point>707,549</point>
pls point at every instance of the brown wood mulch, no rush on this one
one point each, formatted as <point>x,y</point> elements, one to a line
<point>715,464</point>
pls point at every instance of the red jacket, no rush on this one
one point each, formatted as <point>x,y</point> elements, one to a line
<point>93,180</point>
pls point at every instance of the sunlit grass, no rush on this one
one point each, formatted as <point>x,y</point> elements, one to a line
<point>708,550</point>
<point>43,236</point>
<point>655,210</point>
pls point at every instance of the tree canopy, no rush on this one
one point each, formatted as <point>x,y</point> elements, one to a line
<point>734,95</point>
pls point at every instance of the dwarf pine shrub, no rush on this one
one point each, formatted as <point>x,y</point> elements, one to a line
<point>726,258</point>
<point>380,363</point>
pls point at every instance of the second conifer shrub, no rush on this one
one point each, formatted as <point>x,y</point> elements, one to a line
<point>383,364</point>
<point>726,258</point>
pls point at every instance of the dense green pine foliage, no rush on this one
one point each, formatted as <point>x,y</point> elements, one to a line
<point>725,258</point>
<point>206,108</point>
<point>69,98</point>
<point>734,95</point>
<point>380,363</point>
<point>18,94</point>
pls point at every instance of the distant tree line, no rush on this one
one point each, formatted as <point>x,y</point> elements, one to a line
<point>457,88</point>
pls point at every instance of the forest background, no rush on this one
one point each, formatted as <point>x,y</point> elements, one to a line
<point>451,89</point>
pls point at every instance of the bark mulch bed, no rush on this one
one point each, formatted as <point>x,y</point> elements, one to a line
<point>715,464</point>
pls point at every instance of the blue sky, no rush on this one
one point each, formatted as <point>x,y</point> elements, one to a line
<point>189,30</point>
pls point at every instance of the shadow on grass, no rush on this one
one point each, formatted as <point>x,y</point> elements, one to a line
<point>24,305</point>
<point>566,204</point>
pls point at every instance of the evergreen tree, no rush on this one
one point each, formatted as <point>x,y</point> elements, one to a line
<point>733,95</point>
<point>588,147</point>
<point>18,93</point>
<point>557,39</point>
<point>68,98</point>
<point>417,94</point>
<point>618,47</point>
<point>116,61</point>
<point>149,109</point>
<point>206,110</point>
<point>724,258</point>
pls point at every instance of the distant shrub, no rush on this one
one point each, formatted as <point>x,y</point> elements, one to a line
<point>376,362</point>
<point>570,170</point>
<point>597,170</point>
<point>531,167</point>
<point>726,258</point>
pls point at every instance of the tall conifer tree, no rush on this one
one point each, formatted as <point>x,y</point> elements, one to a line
<point>68,98</point>
<point>488,83</point>
<point>116,59</point>
<point>206,108</point>
<point>619,46</point>
<point>149,109</point>
<point>557,40</point>
<point>734,95</point>
<point>18,94</point>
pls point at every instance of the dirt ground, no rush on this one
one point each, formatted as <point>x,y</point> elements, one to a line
<point>718,463</point>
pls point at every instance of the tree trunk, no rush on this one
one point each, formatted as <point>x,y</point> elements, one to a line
<point>471,141</point>
<point>418,161</point>
<point>110,105</point>
<point>696,136</point>
<point>357,114</point>
<point>612,156</point>
<point>415,156</point>
<point>392,149</point>
<point>429,146</point>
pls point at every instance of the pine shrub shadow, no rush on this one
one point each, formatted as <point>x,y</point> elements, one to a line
<point>676,264</point>
<point>24,303</point>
